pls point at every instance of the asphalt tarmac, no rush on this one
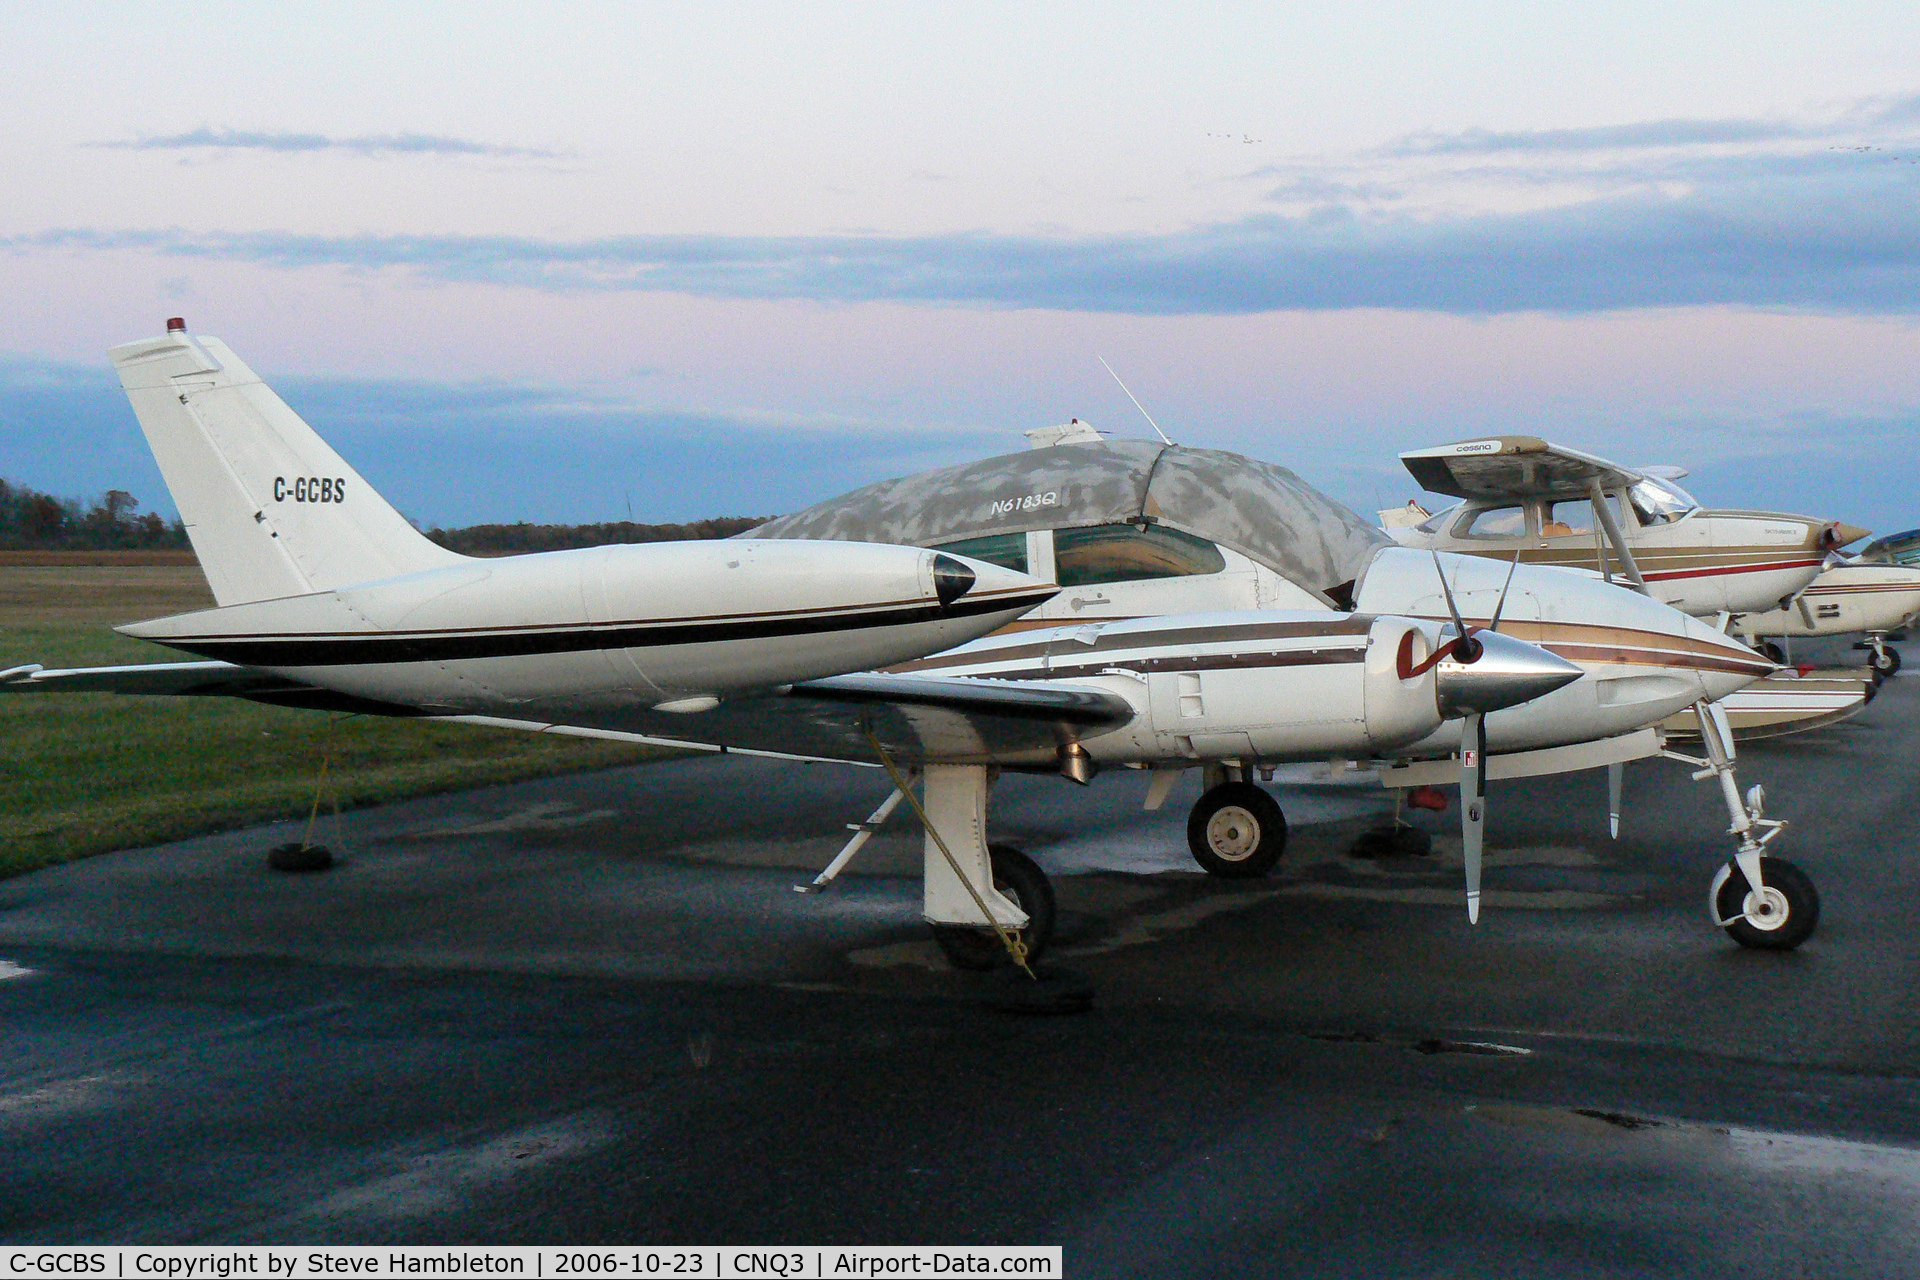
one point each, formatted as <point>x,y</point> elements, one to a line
<point>593,1009</point>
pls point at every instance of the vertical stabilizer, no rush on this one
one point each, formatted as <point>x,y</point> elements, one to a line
<point>271,509</point>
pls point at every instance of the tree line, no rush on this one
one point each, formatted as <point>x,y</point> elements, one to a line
<point>35,521</point>
<point>516,539</point>
<point>521,538</point>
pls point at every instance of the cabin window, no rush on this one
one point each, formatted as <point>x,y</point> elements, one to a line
<point>1570,519</point>
<point>1127,553</point>
<point>1008,550</point>
<point>1438,520</point>
<point>1496,522</point>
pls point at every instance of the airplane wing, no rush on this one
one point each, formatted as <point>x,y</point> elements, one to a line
<point>190,679</point>
<point>1518,467</point>
<point>913,716</point>
<point>953,719</point>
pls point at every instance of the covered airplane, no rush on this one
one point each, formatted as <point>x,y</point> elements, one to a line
<point>1136,530</point>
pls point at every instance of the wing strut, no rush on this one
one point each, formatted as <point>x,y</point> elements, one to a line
<point>1614,536</point>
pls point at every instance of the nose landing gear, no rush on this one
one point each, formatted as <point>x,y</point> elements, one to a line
<point>1764,903</point>
<point>1780,916</point>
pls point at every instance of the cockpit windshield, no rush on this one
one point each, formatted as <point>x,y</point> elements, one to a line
<point>1438,520</point>
<point>1658,501</point>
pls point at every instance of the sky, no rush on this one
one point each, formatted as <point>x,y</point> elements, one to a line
<point>586,262</point>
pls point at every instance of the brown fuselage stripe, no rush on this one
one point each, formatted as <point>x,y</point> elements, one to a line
<point>1189,662</point>
<point>1249,633</point>
<point>454,644</point>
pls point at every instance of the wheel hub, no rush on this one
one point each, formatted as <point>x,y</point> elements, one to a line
<point>1766,909</point>
<point>1233,833</point>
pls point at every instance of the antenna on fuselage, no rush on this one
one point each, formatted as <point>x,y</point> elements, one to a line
<point>1136,402</point>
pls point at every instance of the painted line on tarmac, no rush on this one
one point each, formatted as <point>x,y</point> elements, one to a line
<point>8,969</point>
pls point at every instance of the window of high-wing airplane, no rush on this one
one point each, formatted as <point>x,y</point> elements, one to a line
<point>1567,519</point>
<point>1126,553</point>
<point>1008,550</point>
<point>1495,522</point>
<point>1657,501</point>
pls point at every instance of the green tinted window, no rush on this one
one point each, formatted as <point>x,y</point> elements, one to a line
<point>1125,553</point>
<point>1008,550</point>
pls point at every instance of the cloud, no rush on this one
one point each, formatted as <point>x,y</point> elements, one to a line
<point>1817,214</point>
<point>1798,232</point>
<point>375,144</point>
<point>1869,115</point>
<point>1651,133</point>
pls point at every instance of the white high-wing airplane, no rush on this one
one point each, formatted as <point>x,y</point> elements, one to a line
<point>1146,532</point>
<point>329,599</point>
<point>1768,573</point>
<point>1552,505</point>
<point>1754,573</point>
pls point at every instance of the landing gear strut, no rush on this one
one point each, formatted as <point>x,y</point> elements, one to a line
<point>1236,831</point>
<point>1762,902</point>
<point>1882,659</point>
<point>988,905</point>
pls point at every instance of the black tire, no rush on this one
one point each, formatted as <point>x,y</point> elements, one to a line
<point>1796,892</point>
<point>1885,661</point>
<point>297,857</point>
<point>1016,877</point>
<point>1772,653</point>
<point>1236,831</point>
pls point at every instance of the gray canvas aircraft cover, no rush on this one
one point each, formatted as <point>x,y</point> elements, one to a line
<point>1265,512</point>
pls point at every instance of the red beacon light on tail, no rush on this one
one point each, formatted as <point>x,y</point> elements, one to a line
<point>176,325</point>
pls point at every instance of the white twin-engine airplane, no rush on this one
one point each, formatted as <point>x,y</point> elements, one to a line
<point>329,599</point>
<point>1141,535</point>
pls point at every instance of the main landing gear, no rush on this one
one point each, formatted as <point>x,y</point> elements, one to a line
<point>989,906</point>
<point>1762,902</point>
<point>1883,660</point>
<point>1236,831</point>
<point>1017,879</point>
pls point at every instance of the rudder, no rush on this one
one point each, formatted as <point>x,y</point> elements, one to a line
<point>269,506</point>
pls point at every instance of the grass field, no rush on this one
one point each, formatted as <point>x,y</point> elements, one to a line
<point>86,773</point>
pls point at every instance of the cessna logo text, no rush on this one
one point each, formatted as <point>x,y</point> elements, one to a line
<point>309,489</point>
<point>1030,502</point>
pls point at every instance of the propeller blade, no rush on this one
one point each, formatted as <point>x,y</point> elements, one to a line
<point>1459,626</point>
<point>1501,607</point>
<point>1616,783</point>
<point>1473,818</point>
